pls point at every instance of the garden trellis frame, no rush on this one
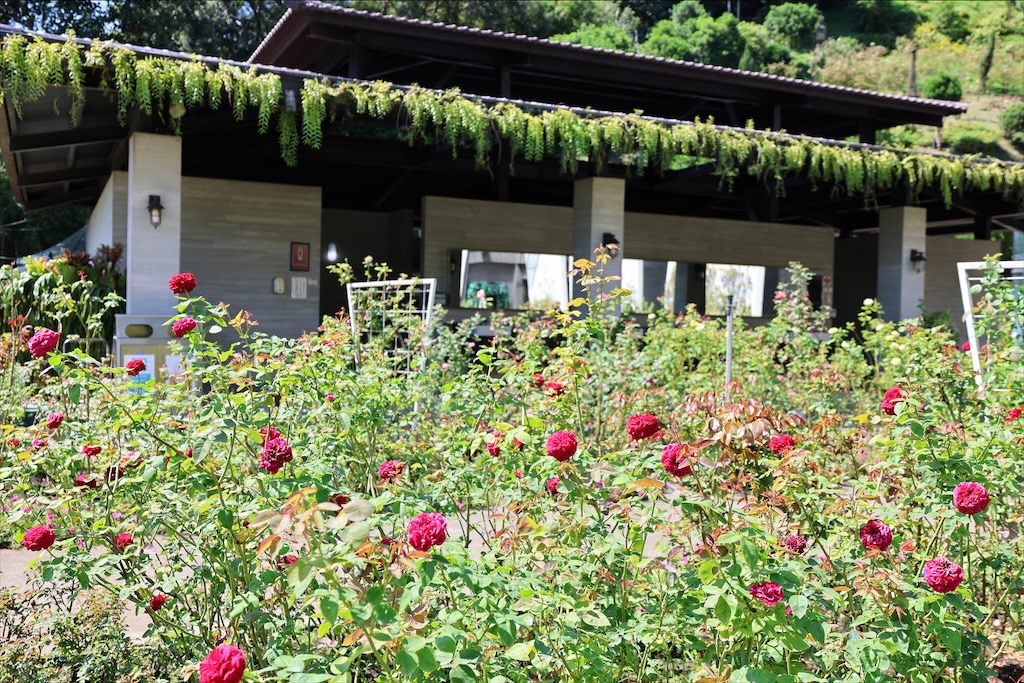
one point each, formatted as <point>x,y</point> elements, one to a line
<point>1015,273</point>
<point>388,310</point>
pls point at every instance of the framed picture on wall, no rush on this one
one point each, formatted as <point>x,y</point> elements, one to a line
<point>300,256</point>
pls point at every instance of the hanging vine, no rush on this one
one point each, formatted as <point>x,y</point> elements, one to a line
<point>169,88</point>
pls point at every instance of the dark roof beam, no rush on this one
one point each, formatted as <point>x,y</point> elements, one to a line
<point>67,175</point>
<point>67,138</point>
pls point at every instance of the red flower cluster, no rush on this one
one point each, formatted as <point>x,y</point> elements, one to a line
<point>970,497</point>
<point>768,592</point>
<point>224,664</point>
<point>675,460</point>
<point>38,538</point>
<point>133,367</point>
<point>966,346</point>
<point>42,342</point>
<point>552,485</point>
<point>182,283</point>
<point>876,534</point>
<point>86,480</point>
<point>795,544</point>
<point>157,601</point>
<point>1014,414</point>
<point>943,575</point>
<point>286,561</point>
<point>276,452</point>
<point>426,530</point>
<point>183,326</point>
<point>497,438</point>
<point>642,426</point>
<point>54,420</point>
<point>390,470</point>
<point>122,541</point>
<point>89,450</point>
<point>891,398</point>
<point>561,445</point>
<point>781,443</point>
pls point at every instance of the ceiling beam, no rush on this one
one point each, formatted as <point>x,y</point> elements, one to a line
<point>66,138</point>
<point>63,176</point>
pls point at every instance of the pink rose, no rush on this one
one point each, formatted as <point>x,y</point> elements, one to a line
<point>876,534</point>
<point>426,530</point>
<point>970,497</point>
<point>642,426</point>
<point>276,452</point>
<point>42,342</point>
<point>122,541</point>
<point>795,544</point>
<point>675,460</point>
<point>38,538</point>
<point>552,485</point>
<point>561,445</point>
<point>54,420</point>
<point>224,664</point>
<point>390,470</point>
<point>781,443</point>
<point>891,398</point>
<point>768,592</point>
<point>183,326</point>
<point>943,575</point>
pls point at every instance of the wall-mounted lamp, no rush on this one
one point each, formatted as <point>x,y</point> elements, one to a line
<point>611,243</point>
<point>332,252</point>
<point>917,259</point>
<point>155,210</point>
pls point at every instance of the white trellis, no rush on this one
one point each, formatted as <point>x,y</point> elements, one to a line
<point>389,313</point>
<point>969,273</point>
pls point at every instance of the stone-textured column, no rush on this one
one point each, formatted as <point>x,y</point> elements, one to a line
<point>900,286</point>
<point>599,206</point>
<point>152,255</point>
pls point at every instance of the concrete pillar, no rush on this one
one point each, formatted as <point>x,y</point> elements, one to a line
<point>599,207</point>
<point>654,281</point>
<point>153,255</point>
<point>689,286</point>
<point>900,286</point>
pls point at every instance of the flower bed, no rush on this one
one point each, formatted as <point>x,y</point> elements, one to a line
<point>849,513</point>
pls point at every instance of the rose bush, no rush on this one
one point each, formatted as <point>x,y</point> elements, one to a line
<point>533,536</point>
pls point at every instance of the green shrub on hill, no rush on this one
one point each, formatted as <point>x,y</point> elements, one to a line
<point>942,86</point>
<point>1012,123</point>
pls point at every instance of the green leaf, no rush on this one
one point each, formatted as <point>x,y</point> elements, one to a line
<point>446,644</point>
<point>409,665</point>
<point>917,429</point>
<point>799,604</point>
<point>521,652</point>
<point>725,608</point>
<point>226,518</point>
<point>426,660</point>
<point>463,674</point>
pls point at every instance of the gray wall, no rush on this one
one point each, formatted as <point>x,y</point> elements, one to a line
<point>236,238</point>
<point>108,223</point>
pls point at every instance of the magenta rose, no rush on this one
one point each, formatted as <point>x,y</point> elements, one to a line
<point>390,470</point>
<point>42,342</point>
<point>276,452</point>
<point>943,575</point>
<point>970,497</point>
<point>182,283</point>
<point>561,445</point>
<point>675,460</point>
<point>768,592</point>
<point>891,398</point>
<point>642,426</point>
<point>183,326</point>
<point>86,480</point>
<point>133,367</point>
<point>876,535</point>
<point>224,664</point>
<point>554,389</point>
<point>54,420</point>
<point>426,530</point>
<point>781,443</point>
<point>494,445</point>
<point>38,538</point>
<point>795,544</point>
<point>122,541</point>
<point>552,485</point>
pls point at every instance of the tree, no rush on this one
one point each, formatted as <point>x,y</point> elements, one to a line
<point>760,49</point>
<point>608,36</point>
<point>792,23</point>
<point>686,10</point>
<point>702,39</point>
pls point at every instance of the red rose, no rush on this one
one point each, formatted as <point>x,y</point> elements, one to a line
<point>133,367</point>
<point>966,346</point>
<point>875,534</point>
<point>561,445</point>
<point>157,601</point>
<point>494,445</point>
<point>269,433</point>
<point>768,592</point>
<point>38,538</point>
<point>943,575</point>
<point>554,389</point>
<point>1014,414</point>
<point>426,530</point>
<point>781,443</point>
<point>642,426</point>
<point>182,283</point>
<point>54,420</point>
<point>675,460</point>
<point>86,480</point>
<point>286,561</point>
<point>224,664</point>
<point>538,380</point>
<point>390,470</point>
<point>89,450</point>
<point>183,326</point>
<point>39,443</point>
<point>123,541</point>
<point>891,398</point>
<point>795,544</point>
<point>970,497</point>
<point>42,342</point>
<point>276,452</point>
<point>552,485</point>
<point>340,499</point>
